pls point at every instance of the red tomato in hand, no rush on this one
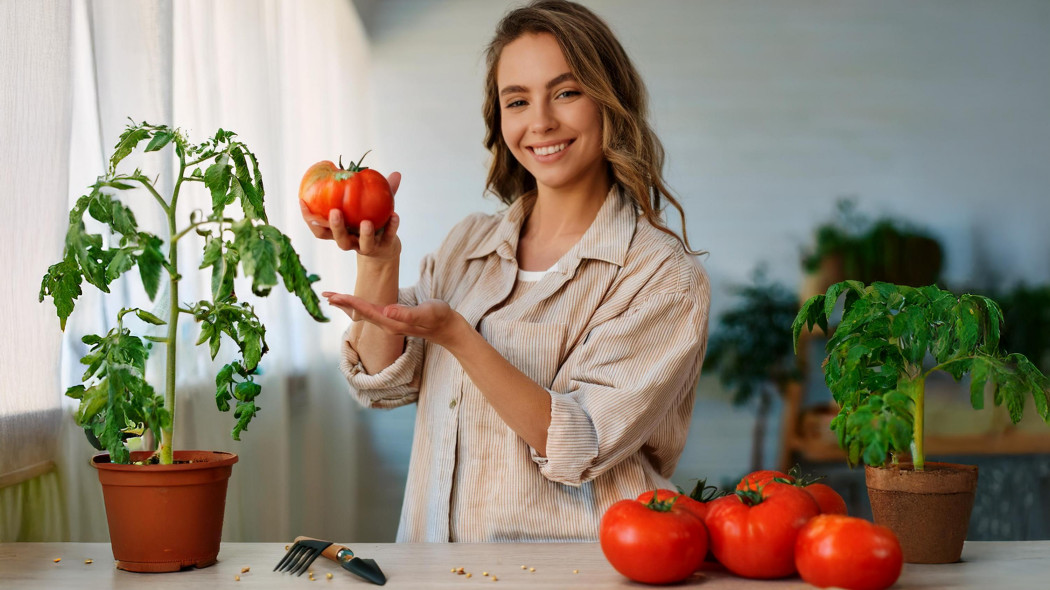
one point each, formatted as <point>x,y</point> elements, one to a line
<point>360,193</point>
<point>753,532</point>
<point>653,542</point>
<point>847,552</point>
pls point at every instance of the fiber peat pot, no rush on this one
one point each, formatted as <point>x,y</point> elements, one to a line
<point>928,510</point>
<point>163,518</point>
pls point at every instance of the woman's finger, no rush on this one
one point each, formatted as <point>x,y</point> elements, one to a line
<point>390,230</point>
<point>343,238</point>
<point>318,224</point>
<point>359,309</point>
<point>367,237</point>
<point>394,180</point>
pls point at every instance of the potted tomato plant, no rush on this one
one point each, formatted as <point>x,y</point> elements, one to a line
<point>889,340</point>
<point>165,507</point>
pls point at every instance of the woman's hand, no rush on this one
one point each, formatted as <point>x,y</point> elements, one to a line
<point>381,247</point>
<point>432,320</point>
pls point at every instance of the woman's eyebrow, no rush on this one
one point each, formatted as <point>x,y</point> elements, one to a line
<point>554,82</point>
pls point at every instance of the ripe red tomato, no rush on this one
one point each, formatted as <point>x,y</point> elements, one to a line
<point>653,542</point>
<point>753,532</point>
<point>360,193</point>
<point>756,479</point>
<point>830,501</point>
<point>698,509</point>
<point>847,552</point>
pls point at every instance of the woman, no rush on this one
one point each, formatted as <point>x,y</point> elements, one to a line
<point>553,349</point>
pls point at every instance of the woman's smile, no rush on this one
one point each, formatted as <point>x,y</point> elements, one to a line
<point>549,152</point>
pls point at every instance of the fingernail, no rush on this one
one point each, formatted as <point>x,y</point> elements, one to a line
<point>315,223</point>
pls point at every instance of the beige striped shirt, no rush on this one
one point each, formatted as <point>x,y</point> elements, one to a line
<point>615,332</point>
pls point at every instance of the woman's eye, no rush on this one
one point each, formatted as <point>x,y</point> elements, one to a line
<point>515,103</point>
<point>568,93</point>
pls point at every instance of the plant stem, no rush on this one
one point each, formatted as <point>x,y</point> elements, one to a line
<point>918,457</point>
<point>167,433</point>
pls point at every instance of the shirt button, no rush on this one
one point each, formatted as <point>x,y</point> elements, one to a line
<point>452,404</point>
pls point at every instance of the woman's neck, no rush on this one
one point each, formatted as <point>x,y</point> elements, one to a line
<point>558,220</point>
<point>560,213</point>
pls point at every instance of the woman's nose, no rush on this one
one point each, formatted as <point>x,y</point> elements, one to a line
<point>543,119</point>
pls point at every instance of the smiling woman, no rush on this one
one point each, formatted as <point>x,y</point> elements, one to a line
<point>567,392</point>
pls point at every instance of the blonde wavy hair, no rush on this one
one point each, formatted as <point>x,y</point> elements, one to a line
<point>599,63</point>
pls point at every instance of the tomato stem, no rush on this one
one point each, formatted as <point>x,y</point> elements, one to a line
<point>752,496</point>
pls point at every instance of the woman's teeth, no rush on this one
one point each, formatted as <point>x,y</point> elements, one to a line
<point>550,149</point>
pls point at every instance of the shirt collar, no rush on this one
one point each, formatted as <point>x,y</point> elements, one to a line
<point>607,239</point>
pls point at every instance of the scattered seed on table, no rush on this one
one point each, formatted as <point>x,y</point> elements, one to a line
<point>57,559</point>
<point>89,561</point>
<point>495,579</point>
<point>328,575</point>
<point>532,569</point>
<point>484,573</point>
<point>453,570</point>
<point>469,574</point>
<point>524,568</point>
<point>237,578</point>
<point>286,547</point>
<point>460,571</point>
<point>245,569</point>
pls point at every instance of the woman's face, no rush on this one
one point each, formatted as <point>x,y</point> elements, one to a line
<point>553,129</point>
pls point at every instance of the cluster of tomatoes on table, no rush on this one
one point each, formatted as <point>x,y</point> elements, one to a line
<point>773,525</point>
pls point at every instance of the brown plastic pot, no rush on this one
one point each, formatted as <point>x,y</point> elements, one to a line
<point>163,518</point>
<point>928,510</point>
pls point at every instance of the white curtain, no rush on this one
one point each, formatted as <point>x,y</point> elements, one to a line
<point>34,127</point>
<point>290,79</point>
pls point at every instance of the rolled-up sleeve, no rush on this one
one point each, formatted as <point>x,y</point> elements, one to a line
<point>629,388</point>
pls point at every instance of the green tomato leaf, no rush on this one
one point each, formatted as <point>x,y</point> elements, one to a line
<point>149,317</point>
<point>244,413</point>
<point>62,284</point>
<point>151,262</point>
<point>129,139</point>
<point>160,139</point>
<point>217,179</point>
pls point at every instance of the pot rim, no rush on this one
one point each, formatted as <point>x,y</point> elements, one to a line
<point>199,460</point>
<point>947,478</point>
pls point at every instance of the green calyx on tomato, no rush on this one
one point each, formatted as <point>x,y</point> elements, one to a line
<point>354,167</point>
<point>705,493</point>
<point>664,505</point>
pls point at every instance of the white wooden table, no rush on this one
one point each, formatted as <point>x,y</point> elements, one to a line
<point>31,566</point>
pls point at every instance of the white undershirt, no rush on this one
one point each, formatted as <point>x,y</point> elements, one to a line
<point>532,276</point>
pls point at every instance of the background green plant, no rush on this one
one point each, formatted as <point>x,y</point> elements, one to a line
<point>889,340</point>
<point>883,249</point>
<point>751,348</point>
<point>116,400</point>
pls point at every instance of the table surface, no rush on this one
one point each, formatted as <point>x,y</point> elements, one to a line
<point>30,566</point>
